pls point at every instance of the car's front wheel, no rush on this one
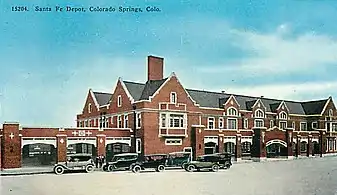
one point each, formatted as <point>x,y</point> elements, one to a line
<point>136,169</point>
<point>190,168</point>
<point>59,170</point>
<point>227,165</point>
<point>160,168</point>
<point>215,168</point>
<point>111,168</point>
<point>105,168</point>
<point>89,168</point>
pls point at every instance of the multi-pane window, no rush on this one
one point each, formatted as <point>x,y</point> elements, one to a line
<point>211,123</point>
<point>119,101</point>
<point>173,97</point>
<point>259,114</point>
<point>314,125</point>
<point>232,112</point>
<point>330,112</point>
<point>303,146</point>
<point>334,126</point>
<point>89,108</point>
<point>176,120</point>
<point>126,120</point>
<point>173,142</point>
<point>119,121</point>
<point>303,126</point>
<point>283,115</point>
<point>330,144</point>
<point>283,125</point>
<point>220,123</point>
<point>245,147</point>
<point>258,123</point>
<point>271,123</point>
<point>139,118</point>
<point>139,145</point>
<point>245,123</point>
<point>231,124</point>
<point>163,120</point>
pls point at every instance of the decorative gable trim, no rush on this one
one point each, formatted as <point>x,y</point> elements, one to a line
<point>94,98</point>
<point>326,105</point>
<point>257,101</point>
<point>232,97</point>
<point>280,106</point>
<point>126,90</point>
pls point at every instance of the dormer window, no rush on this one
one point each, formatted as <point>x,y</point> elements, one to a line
<point>283,115</point>
<point>173,97</point>
<point>259,114</point>
<point>232,112</point>
<point>330,112</point>
<point>119,101</point>
<point>89,108</point>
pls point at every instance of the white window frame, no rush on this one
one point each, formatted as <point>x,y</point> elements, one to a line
<point>210,119</point>
<point>236,123</point>
<point>126,121</point>
<point>312,125</point>
<point>89,108</point>
<point>139,120</point>
<point>173,97</point>
<point>119,101</point>
<point>285,114</point>
<point>259,111</point>
<point>173,144</point>
<point>139,145</point>
<point>330,112</point>
<point>255,122</point>
<point>229,113</point>
<point>119,121</point>
<point>271,123</point>
<point>163,120</point>
<point>306,126</point>
<point>182,120</point>
<point>334,127</point>
<point>221,123</point>
<point>112,119</point>
<point>282,122</point>
<point>245,123</point>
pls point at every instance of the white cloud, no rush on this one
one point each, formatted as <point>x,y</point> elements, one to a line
<point>278,53</point>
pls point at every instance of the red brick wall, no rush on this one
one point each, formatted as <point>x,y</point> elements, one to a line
<point>155,68</point>
<point>12,146</point>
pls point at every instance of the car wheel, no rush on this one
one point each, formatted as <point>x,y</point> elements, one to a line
<point>59,170</point>
<point>160,168</point>
<point>190,168</point>
<point>89,168</point>
<point>105,168</point>
<point>111,168</point>
<point>136,169</point>
<point>227,166</point>
<point>215,168</point>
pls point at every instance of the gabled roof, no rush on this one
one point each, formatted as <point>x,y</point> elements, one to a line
<point>140,91</point>
<point>314,107</point>
<point>102,98</point>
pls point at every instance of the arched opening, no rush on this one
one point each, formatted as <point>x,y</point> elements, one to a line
<point>229,147</point>
<point>116,148</point>
<point>39,154</point>
<point>83,148</point>
<point>315,148</point>
<point>211,148</point>
<point>246,150</point>
<point>276,150</point>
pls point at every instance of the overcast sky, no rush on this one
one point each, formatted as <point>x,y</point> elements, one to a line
<point>278,49</point>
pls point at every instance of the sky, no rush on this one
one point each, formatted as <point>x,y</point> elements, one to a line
<point>49,60</point>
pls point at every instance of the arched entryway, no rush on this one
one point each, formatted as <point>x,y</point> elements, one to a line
<point>211,148</point>
<point>116,148</point>
<point>276,149</point>
<point>38,154</point>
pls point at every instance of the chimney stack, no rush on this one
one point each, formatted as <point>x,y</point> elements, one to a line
<point>155,66</point>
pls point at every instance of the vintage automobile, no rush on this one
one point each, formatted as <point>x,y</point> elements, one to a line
<point>211,162</point>
<point>75,162</point>
<point>121,162</point>
<point>152,161</point>
<point>178,159</point>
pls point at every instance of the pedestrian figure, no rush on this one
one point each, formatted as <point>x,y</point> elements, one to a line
<point>100,161</point>
<point>96,161</point>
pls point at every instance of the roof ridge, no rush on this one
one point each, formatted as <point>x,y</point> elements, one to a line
<point>102,92</point>
<point>133,82</point>
<point>312,101</point>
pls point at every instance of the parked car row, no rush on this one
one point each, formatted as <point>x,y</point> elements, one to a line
<point>136,163</point>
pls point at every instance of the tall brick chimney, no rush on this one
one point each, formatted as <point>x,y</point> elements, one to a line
<point>155,66</point>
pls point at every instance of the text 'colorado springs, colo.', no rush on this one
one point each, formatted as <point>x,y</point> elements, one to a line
<point>121,9</point>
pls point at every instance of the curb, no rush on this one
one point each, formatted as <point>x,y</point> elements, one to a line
<point>31,173</point>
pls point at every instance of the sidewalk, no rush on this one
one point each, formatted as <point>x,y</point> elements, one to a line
<point>26,171</point>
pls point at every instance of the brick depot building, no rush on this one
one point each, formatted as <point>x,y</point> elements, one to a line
<point>161,116</point>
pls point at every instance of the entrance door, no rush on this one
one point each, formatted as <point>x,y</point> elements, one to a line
<point>210,148</point>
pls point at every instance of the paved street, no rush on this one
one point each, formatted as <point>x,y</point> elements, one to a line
<point>305,176</point>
